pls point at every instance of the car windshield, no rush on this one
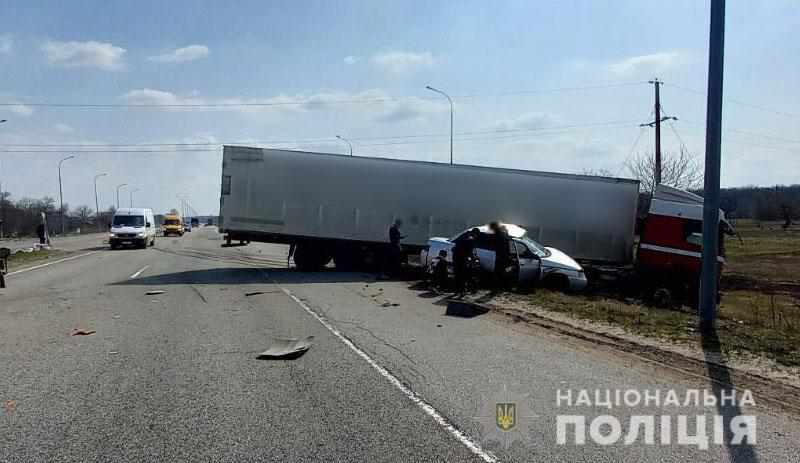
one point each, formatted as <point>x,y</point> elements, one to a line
<point>171,222</point>
<point>537,248</point>
<point>128,221</point>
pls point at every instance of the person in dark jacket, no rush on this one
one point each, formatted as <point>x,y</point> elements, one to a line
<point>40,233</point>
<point>395,252</point>
<point>463,249</point>
<point>502,254</point>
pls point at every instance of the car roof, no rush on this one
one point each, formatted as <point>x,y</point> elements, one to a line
<point>514,231</point>
<point>132,211</point>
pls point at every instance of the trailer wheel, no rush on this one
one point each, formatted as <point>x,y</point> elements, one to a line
<point>310,257</point>
<point>662,297</point>
<point>348,258</point>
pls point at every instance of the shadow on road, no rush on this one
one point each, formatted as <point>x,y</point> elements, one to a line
<point>244,276</point>
<point>723,383</point>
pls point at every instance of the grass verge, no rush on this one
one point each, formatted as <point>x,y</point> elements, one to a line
<point>24,259</point>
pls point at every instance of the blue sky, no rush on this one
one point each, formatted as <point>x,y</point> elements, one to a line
<point>313,55</point>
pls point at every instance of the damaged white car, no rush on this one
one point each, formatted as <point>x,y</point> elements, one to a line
<point>534,264</point>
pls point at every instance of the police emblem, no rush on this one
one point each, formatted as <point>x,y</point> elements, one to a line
<point>506,415</point>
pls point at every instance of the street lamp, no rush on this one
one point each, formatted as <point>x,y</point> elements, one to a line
<point>132,192</point>
<point>61,192</point>
<point>451,117</point>
<point>96,202</point>
<point>346,141</point>
<point>118,187</point>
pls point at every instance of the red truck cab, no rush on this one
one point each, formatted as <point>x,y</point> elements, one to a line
<point>670,241</point>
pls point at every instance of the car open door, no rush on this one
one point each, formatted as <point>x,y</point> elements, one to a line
<point>529,264</point>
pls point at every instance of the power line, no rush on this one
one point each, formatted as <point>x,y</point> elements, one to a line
<point>630,152</point>
<point>739,102</point>
<point>307,100</point>
<point>752,134</point>
<point>99,146</point>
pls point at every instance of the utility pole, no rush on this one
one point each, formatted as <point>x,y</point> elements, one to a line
<point>710,266</point>
<point>657,124</point>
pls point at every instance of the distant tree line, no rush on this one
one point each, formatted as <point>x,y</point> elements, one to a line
<point>21,217</point>
<point>762,203</point>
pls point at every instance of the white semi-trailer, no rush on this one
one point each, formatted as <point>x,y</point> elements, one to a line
<point>340,207</point>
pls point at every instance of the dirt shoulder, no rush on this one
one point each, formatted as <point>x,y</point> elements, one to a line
<point>696,356</point>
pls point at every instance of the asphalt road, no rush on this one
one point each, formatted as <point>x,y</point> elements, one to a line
<point>395,373</point>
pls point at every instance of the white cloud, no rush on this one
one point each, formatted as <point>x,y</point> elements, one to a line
<point>94,54</point>
<point>534,120</point>
<point>402,61</point>
<point>375,104</point>
<point>409,109</point>
<point>18,109</point>
<point>148,96</point>
<point>652,63</point>
<point>351,59</point>
<point>6,44</point>
<point>182,55</point>
<point>63,128</point>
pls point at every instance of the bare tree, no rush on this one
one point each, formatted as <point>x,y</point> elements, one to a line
<point>598,172</point>
<point>83,213</point>
<point>679,170</point>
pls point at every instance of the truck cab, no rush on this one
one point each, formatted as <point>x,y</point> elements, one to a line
<point>669,253</point>
<point>172,225</point>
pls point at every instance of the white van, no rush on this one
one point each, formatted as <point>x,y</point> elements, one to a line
<point>132,226</point>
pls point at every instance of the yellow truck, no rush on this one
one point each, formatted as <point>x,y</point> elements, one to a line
<point>173,225</point>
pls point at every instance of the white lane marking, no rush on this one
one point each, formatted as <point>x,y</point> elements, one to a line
<point>49,264</point>
<point>473,446</point>
<point>138,273</point>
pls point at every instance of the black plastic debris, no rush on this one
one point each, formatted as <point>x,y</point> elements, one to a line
<point>256,293</point>
<point>286,349</point>
<point>464,309</point>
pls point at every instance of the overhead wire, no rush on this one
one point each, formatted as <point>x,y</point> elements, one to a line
<point>736,101</point>
<point>306,99</point>
<point>464,136</point>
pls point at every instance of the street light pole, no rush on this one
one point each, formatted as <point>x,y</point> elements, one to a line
<point>132,192</point>
<point>96,202</point>
<point>118,187</point>
<point>710,266</point>
<point>61,192</point>
<point>346,141</point>
<point>451,117</point>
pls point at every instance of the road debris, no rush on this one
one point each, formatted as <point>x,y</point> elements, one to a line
<point>82,332</point>
<point>291,348</point>
<point>155,292</point>
<point>10,406</point>
<point>256,293</point>
<point>464,309</point>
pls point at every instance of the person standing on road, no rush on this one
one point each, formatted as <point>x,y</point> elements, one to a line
<point>463,249</point>
<point>40,233</point>
<point>502,254</point>
<point>395,249</point>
